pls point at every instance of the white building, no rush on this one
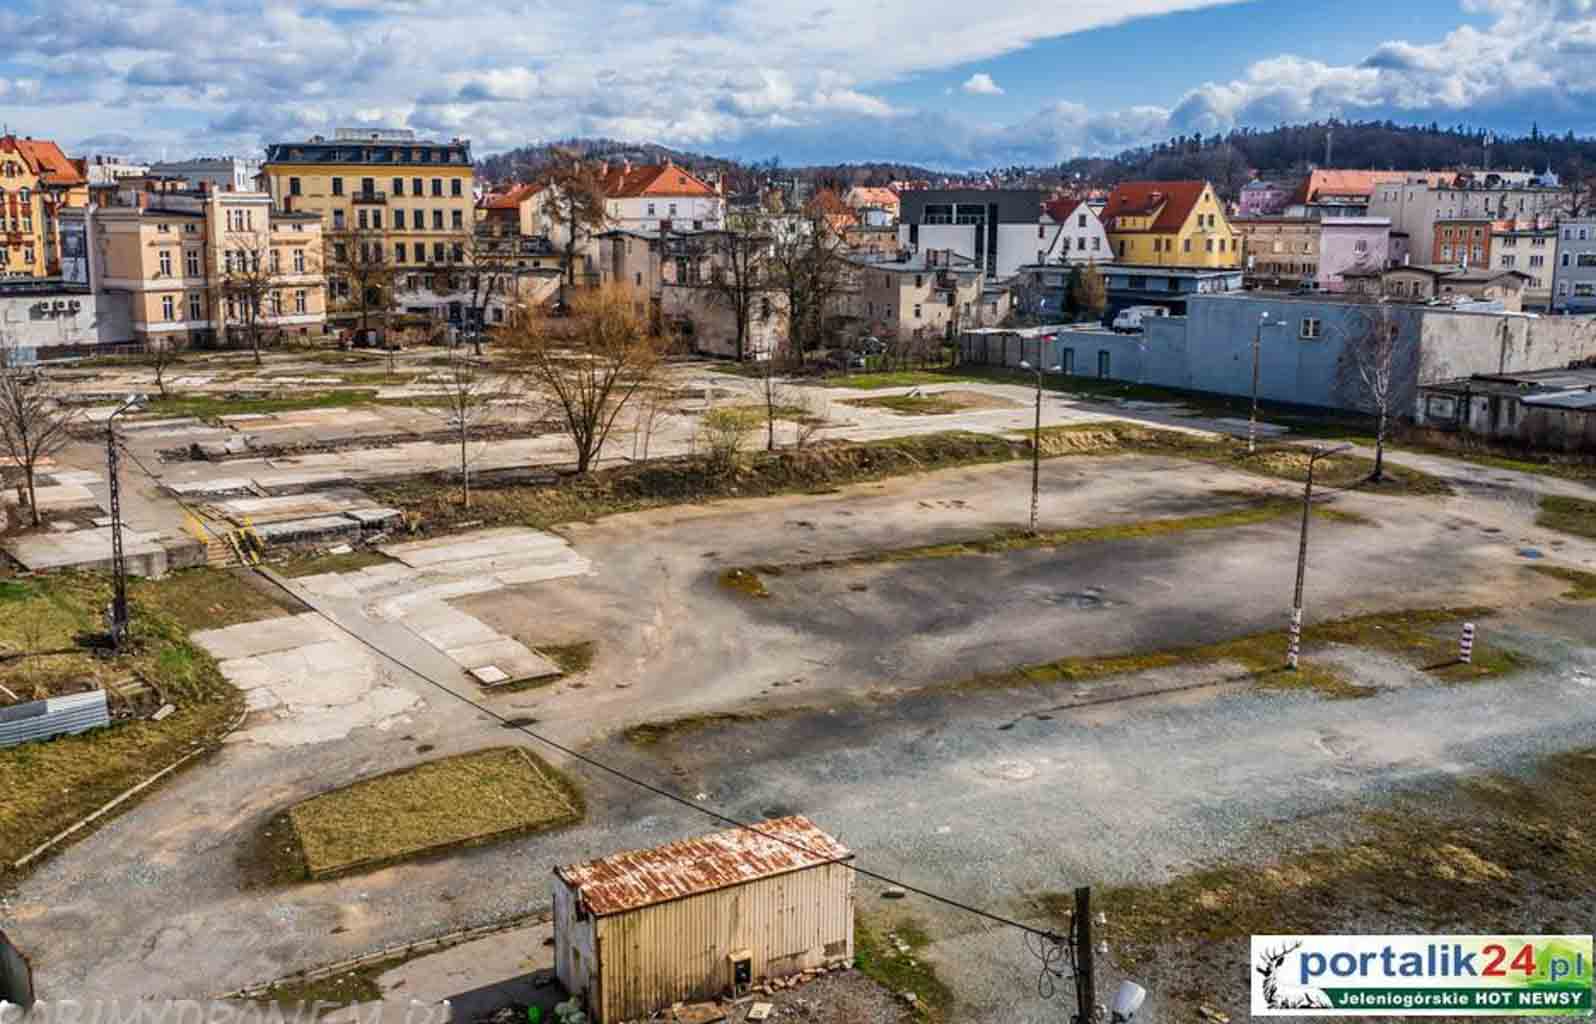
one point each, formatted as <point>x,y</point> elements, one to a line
<point>1415,205</point>
<point>223,173</point>
<point>1074,234</point>
<point>661,197</point>
<point>1000,230</point>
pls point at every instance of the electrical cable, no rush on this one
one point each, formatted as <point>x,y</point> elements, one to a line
<point>1043,934</point>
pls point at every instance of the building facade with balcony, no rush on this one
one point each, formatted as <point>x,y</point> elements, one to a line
<point>37,182</point>
<point>1574,280</point>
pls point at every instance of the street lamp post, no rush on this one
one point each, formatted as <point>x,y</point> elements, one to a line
<point>117,616</point>
<point>1257,359</point>
<point>1294,642</point>
<point>1036,440</point>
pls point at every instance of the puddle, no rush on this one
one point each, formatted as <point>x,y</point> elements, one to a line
<point>1090,599</point>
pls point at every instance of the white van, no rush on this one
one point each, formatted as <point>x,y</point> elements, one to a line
<point>1129,320</point>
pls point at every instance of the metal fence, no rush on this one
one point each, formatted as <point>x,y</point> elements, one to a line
<point>55,716</point>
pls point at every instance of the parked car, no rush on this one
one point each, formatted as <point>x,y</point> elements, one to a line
<point>1130,319</point>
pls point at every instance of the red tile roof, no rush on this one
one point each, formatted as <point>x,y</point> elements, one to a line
<point>625,182</point>
<point>511,199</point>
<point>47,160</point>
<point>642,878</point>
<point>865,195</point>
<point>1172,201</point>
<point>1060,209</point>
<point>1359,183</point>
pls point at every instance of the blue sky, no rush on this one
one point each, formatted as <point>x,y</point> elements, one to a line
<point>945,83</point>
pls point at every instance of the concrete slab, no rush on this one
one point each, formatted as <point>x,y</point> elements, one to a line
<point>317,528</point>
<point>55,497</point>
<point>278,508</point>
<point>84,477</point>
<point>89,549</point>
<point>216,488</point>
<point>254,638</point>
<point>290,480</point>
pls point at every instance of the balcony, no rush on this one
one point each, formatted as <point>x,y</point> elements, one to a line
<point>371,196</point>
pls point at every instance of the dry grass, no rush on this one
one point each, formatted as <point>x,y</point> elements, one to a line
<point>1570,515</point>
<point>433,504</point>
<point>936,404</point>
<point>313,565</point>
<point>1481,855</point>
<point>48,786</point>
<point>1424,638</point>
<point>1282,462</point>
<point>1581,585</point>
<point>439,805</point>
<point>649,734</point>
<point>878,957</point>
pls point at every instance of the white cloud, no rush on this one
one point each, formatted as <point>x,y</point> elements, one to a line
<point>981,84</point>
<point>754,76</point>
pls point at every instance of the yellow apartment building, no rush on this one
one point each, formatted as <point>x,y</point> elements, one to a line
<point>187,259</point>
<point>1170,224</point>
<point>37,180</point>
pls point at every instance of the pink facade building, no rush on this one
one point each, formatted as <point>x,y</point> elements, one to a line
<point>1351,243</point>
<point>1260,198</point>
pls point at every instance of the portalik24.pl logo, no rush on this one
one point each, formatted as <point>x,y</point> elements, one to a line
<point>1421,975</point>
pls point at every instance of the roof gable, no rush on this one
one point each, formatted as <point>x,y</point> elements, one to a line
<point>1061,209</point>
<point>1169,203</point>
<point>48,162</point>
<point>642,878</point>
<point>627,182</point>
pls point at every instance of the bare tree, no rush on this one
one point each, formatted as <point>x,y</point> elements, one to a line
<point>1579,190</point>
<point>34,423</point>
<point>360,277</point>
<point>576,202</point>
<point>590,364</point>
<point>650,402</point>
<point>1088,292</point>
<point>490,266</point>
<point>161,354</point>
<point>1378,369</point>
<point>472,393</point>
<point>808,263</point>
<point>739,273</point>
<point>253,280</point>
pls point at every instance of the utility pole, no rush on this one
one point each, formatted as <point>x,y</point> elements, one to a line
<point>1294,641</point>
<point>1036,439</point>
<point>117,616</point>
<point>1257,360</point>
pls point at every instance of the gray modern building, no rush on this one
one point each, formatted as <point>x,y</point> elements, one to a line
<point>1302,346</point>
<point>222,173</point>
<point>1574,282</point>
<point>1001,230</point>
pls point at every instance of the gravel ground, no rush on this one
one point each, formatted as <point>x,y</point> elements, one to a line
<point>847,997</point>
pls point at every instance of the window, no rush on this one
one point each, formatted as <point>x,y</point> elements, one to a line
<point>338,220</point>
<point>299,301</point>
<point>299,261</point>
<point>437,220</point>
<point>1208,244</point>
<point>437,186</point>
<point>1585,259</point>
<point>1536,260</point>
<point>277,303</point>
<point>165,264</point>
<point>196,308</point>
<point>1509,260</point>
<point>1102,364</point>
<point>1095,245</point>
<point>361,217</point>
<point>459,252</point>
<point>168,308</point>
<point>293,186</point>
<point>1185,246</point>
<point>163,228</point>
<point>454,186</point>
<point>368,186</point>
<point>191,263</point>
<point>340,252</point>
<point>457,220</point>
<point>1446,252</point>
<point>437,252</point>
<point>1361,245</point>
<point>1562,287</point>
<point>276,261</point>
<point>917,311</point>
<point>398,220</point>
<point>398,186</point>
<point>418,219</point>
<point>651,209</point>
<point>1080,221</point>
<point>1584,290</point>
<point>399,252</point>
<point>338,186</point>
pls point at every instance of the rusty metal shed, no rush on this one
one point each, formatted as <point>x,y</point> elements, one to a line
<point>638,931</point>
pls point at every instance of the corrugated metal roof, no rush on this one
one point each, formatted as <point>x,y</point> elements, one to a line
<point>642,878</point>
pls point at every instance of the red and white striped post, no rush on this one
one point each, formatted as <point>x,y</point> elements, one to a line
<point>1465,649</point>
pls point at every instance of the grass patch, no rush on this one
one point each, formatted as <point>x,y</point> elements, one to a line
<point>209,407</point>
<point>433,503</point>
<point>870,381</point>
<point>312,565</point>
<point>746,582</point>
<point>1582,585</point>
<point>212,598</point>
<point>1408,635</point>
<point>879,954</point>
<point>649,734</point>
<point>50,785</point>
<point>439,805</point>
<point>1569,515</point>
<point>570,659</point>
<point>1481,855</point>
<point>1282,462</point>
